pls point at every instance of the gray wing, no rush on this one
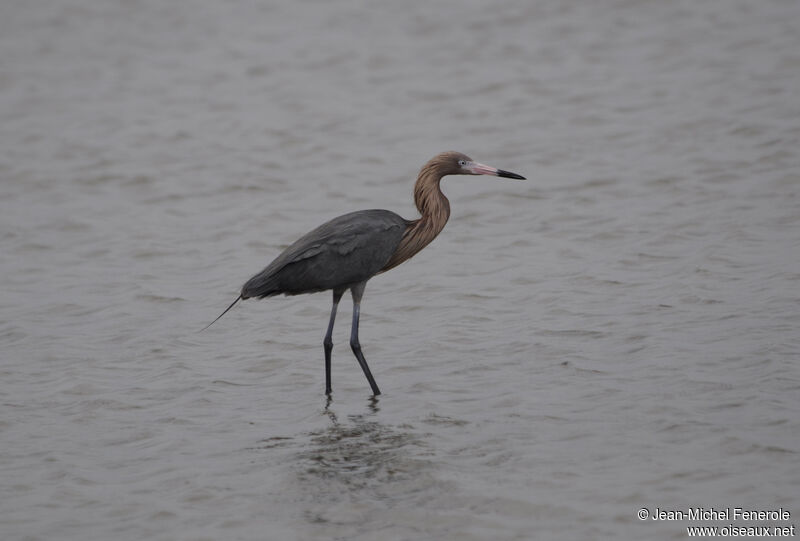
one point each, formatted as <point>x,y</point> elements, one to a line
<point>344,251</point>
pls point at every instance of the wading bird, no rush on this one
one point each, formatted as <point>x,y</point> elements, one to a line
<point>347,251</point>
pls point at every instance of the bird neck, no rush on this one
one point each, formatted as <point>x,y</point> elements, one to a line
<point>432,204</point>
<point>434,209</point>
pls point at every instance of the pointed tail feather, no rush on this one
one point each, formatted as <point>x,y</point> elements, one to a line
<point>222,314</point>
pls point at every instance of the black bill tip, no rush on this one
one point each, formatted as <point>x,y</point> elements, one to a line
<point>509,174</point>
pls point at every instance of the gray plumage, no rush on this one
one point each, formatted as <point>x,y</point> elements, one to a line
<point>344,251</point>
<point>347,251</point>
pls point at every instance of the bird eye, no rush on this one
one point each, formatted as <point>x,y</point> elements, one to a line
<point>462,163</point>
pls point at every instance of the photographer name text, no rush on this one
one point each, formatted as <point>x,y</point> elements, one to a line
<point>726,513</point>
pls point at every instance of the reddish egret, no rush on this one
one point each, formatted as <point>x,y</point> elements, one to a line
<point>349,250</point>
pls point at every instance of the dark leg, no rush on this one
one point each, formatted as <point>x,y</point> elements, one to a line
<point>358,291</point>
<point>328,342</point>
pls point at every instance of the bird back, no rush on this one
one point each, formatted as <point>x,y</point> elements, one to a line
<point>344,251</point>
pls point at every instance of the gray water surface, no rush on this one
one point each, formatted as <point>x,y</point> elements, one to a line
<point>620,331</point>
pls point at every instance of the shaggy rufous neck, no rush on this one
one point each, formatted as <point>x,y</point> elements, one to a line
<point>434,209</point>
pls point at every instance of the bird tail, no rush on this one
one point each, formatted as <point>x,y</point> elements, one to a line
<point>222,314</point>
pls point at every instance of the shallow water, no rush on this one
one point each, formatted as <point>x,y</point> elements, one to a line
<point>618,332</point>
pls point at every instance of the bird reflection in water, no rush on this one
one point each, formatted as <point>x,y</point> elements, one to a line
<point>360,451</point>
<point>372,404</point>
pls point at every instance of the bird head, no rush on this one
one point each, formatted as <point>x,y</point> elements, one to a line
<point>455,163</point>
